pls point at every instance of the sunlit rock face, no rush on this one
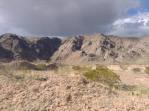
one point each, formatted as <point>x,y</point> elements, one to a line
<point>81,49</point>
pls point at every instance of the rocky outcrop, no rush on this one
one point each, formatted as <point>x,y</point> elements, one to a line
<point>14,47</point>
<point>45,47</point>
<point>99,49</point>
<point>82,49</point>
<point>17,46</point>
<point>5,54</point>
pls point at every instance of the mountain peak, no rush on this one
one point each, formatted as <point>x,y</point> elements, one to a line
<point>80,49</point>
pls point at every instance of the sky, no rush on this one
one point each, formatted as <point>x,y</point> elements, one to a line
<point>73,17</point>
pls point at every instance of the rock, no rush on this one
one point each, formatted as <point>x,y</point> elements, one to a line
<point>5,54</point>
<point>68,98</point>
<point>93,49</point>
<point>52,66</point>
<point>17,46</point>
<point>99,49</point>
<point>45,47</point>
<point>77,43</point>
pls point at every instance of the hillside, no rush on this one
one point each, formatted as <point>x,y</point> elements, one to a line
<point>72,78</point>
<point>94,49</point>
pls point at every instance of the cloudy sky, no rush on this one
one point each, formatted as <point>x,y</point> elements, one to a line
<point>72,17</point>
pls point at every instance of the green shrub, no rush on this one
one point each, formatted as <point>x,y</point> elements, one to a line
<point>40,67</point>
<point>147,70</point>
<point>81,69</point>
<point>31,66</point>
<point>26,66</point>
<point>136,70</point>
<point>104,75</point>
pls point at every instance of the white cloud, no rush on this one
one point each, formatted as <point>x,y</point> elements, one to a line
<point>137,25</point>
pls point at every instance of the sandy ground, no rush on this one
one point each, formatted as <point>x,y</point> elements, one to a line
<point>128,76</point>
<point>54,92</point>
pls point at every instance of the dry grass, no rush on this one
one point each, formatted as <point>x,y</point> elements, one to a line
<point>58,90</point>
<point>104,75</point>
<point>136,70</point>
<point>147,70</point>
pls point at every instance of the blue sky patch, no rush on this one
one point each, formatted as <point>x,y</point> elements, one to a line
<point>144,7</point>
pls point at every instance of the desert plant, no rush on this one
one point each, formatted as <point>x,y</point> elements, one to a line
<point>31,66</point>
<point>40,67</point>
<point>147,70</point>
<point>26,66</point>
<point>41,78</point>
<point>76,67</point>
<point>135,89</point>
<point>125,87</point>
<point>52,66</point>
<point>19,77</point>
<point>136,70</point>
<point>104,75</point>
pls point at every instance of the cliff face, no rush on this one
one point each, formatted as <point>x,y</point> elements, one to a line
<point>76,50</point>
<point>103,49</point>
<point>16,47</point>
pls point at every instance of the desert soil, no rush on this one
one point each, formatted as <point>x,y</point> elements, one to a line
<point>55,92</point>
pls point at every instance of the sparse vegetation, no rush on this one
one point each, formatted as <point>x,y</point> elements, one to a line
<point>52,66</point>
<point>38,67</point>
<point>28,84</point>
<point>135,90</point>
<point>141,90</point>
<point>125,87</point>
<point>104,75</point>
<point>147,70</point>
<point>136,70</point>
<point>76,67</point>
<point>41,78</point>
<point>19,77</point>
<point>26,66</point>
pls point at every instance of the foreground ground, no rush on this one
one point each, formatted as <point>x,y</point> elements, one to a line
<point>67,90</point>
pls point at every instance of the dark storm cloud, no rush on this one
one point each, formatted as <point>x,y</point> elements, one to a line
<point>61,17</point>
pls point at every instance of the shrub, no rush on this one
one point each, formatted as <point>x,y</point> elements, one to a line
<point>40,67</point>
<point>19,77</point>
<point>31,66</point>
<point>52,66</point>
<point>136,70</point>
<point>104,75</point>
<point>41,79</point>
<point>125,87</point>
<point>76,67</point>
<point>26,66</point>
<point>147,70</point>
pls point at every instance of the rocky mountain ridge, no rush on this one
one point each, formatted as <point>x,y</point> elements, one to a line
<point>80,49</point>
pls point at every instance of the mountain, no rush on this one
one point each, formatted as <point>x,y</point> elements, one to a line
<point>82,49</point>
<point>100,48</point>
<point>14,47</point>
